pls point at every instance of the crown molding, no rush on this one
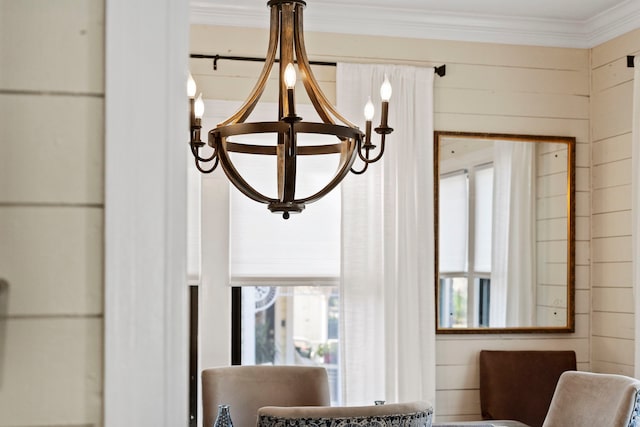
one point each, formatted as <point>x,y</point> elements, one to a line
<point>613,22</point>
<point>395,22</point>
<point>208,13</point>
<point>446,26</point>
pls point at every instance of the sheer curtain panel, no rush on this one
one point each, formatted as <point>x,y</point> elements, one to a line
<point>513,269</point>
<point>635,206</point>
<point>388,243</point>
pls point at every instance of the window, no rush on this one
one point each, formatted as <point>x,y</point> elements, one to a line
<point>465,245</point>
<point>285,273</point>
<point>292,325</point>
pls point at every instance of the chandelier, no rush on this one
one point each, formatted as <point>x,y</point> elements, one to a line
<point>286,35</point>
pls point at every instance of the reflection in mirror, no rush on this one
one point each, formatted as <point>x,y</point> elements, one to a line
<point>504,227</point>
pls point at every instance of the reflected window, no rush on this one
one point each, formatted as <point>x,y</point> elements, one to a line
<point>465,224</point>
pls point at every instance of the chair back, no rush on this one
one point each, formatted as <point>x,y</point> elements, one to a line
<point>588,399</point>
<point>247,388</point>
<point>411,414</point>
<point>519,385</point>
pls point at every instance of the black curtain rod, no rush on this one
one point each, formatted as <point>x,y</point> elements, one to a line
<point>630,61</point>
<point>440,70</point>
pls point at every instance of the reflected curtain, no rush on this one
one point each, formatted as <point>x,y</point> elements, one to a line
<point>513,260</point>
<point>388,303</point>
<point>635,205</point>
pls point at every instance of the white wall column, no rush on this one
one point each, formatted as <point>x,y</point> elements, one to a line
<point>146,336</point>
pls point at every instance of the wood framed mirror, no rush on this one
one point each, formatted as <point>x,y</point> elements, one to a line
<point>504,227</point>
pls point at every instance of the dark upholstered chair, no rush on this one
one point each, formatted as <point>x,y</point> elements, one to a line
<point>519,385</point>
<point>247,388</point>
<point>588,399</point>
<point>412,414</point>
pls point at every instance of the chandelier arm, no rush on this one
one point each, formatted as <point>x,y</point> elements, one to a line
<point>360,172</point>
<point>358,149</point>
<point>246,109</point>
<point>375,159</point>
<point>201,169</point>
<point>194,151</point>
<point>319,100</point>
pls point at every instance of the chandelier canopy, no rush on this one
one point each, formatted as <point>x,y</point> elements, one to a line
<point>286,36</point>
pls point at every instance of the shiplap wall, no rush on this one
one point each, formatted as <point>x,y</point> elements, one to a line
<point>51,212</point>
<point>612,293</point>
<point>488,88</point>
<point>515,89</point>
<point>551,234</point>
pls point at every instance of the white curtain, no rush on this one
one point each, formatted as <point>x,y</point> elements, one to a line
<point>513,260</point>
<point>388,306</point>
<point>635,206</point>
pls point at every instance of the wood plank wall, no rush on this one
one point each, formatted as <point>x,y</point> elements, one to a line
<point>51,213</point>
<point>613,338</point>
<point>551,234</point>
<point>488,88</point>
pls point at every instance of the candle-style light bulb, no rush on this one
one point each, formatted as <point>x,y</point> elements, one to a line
<point>385,94</point>
<point>368,115</point>
<point>191,86</point>
<point>290,76</point>
<point>290,83</point>
<point>385,89</point>
<point>369,110</point>
<point>198,107</point>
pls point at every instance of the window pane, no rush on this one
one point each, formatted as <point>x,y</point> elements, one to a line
<point>482,285</point>
<point>296,325</point>
<point>454,298</point>
<point>453,223</point>
<point>483,215</point>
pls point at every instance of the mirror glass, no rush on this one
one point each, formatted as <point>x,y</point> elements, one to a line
<point>504,208</point>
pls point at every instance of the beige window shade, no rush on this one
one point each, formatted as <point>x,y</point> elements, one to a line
<point>305,249</point>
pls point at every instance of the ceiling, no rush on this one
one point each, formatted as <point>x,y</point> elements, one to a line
<point>562,23</point>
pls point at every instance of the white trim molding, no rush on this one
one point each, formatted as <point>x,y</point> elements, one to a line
<point>145,334</point>
<point>613,23</point>
<point>423,24</point>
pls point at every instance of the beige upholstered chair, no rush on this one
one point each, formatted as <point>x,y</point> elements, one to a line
<point>247,388</point>
<point>588,399</point>
<point>412,414</point>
